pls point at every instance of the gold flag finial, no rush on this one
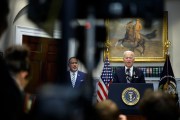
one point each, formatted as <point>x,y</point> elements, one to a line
<point>167,45</point>
<point>107,44</point>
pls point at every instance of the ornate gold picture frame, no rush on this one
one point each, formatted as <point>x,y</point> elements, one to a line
<point>149,44</point>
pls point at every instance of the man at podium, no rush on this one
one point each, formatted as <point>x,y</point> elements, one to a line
<point>128,73</point>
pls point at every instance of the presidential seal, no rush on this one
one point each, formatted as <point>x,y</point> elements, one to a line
<point>130,96</point>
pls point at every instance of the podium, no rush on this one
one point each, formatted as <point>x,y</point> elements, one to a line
<point>128,95</point>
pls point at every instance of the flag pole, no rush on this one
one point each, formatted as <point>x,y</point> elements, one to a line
<point>167,45</point>
<point>107,44</point>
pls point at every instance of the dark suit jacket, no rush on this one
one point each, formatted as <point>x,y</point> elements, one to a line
<point>80,80</point>
<point>11,101</point>
<point>120,76</point>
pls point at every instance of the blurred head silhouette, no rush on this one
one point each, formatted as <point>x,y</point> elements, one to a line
<point>4,10</point>
<point>159,105</point>
<point>56,102</point>
<point>108,110</point>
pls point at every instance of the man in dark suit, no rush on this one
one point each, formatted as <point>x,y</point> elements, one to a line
<point>128,73</point>
<point>75,77</point>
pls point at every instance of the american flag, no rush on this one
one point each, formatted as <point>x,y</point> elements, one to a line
<point>103,84</point>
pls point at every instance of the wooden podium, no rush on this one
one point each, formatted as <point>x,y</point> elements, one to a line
<point>127,97</point>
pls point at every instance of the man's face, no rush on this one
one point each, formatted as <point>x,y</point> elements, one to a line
<point>73,65</point>
<point>128,60</point>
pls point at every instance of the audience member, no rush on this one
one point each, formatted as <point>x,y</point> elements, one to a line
<point>158,105</point>
<point>75,77</point>
<point>108,110</point>
<point>17,60</point>
<point>16,69</point>
<point>61,102</point>
<point>128,73</point>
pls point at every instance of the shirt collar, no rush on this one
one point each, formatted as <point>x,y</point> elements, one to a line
<point>129,68</point>
<point>74,72</point>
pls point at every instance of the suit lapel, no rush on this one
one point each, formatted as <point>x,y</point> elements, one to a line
<point>124,77</point>
<point>134,74</point>
<point>134,71</point>
<point>77,79</point>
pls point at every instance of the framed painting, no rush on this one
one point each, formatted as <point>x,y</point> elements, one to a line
<point>149,44</point>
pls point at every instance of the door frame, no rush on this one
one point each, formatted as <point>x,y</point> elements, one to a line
<point>22,30</point>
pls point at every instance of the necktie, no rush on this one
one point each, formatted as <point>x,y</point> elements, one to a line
<point>73,79</point>
<point>128,76</point>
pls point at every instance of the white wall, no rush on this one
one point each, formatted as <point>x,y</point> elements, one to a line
<point>172,6</point>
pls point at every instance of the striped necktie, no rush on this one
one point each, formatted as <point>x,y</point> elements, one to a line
<point>128,76</point>
<point>73,79</point>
